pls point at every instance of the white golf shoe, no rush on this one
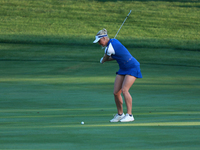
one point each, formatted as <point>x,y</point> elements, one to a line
<point>127,118</point>
<point>117,118</point>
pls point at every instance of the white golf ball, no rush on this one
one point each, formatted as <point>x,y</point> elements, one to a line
<point>82,122</point>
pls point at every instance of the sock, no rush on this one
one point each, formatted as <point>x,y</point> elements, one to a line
<point>119,114</point>
<point>130,115</point>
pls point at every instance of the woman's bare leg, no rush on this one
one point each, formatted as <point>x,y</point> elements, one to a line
<point>127,83</point>
<point>117,93</point>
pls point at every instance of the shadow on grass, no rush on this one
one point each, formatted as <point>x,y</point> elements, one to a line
<point>37,39</point>
<point>181,1</point>
<point>179,44</point>
<point>186,1</point>
<point>90,61</point>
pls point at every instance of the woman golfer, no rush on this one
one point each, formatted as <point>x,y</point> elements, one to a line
<point>129,70</point>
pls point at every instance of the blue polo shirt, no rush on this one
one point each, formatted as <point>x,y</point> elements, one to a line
<point>127,63</point>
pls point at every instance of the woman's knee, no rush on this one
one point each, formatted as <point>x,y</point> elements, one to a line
<point>124,91</point>
<point>117,93</point>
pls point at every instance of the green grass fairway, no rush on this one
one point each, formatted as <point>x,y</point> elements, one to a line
<point>45,97</point>
<point>51,79</point>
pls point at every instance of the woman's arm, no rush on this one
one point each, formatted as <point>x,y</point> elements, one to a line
<point>110,58</point>
<point>106,58</point>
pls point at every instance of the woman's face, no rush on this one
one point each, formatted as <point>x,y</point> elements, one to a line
<point>103,41</point>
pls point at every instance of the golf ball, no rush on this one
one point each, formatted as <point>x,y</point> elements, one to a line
<point>82,122</point>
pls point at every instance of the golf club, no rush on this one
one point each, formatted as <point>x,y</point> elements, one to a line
<point>122,24</point>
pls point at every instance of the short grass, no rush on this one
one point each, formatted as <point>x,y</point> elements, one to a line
<point>171,24</point>
<point>51,78</point>
<point>47,90</point>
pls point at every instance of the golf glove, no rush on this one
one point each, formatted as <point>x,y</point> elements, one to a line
<point>101,60</point>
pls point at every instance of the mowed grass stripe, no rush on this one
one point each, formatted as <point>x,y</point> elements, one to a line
<point>107,125</point>
<point>61,80</point>
<point>175,81</point>
<point>136,124</point>
<point>83,115</point>
<point>52,110</point>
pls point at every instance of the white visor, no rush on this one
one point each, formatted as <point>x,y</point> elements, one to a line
<point>98,38</point>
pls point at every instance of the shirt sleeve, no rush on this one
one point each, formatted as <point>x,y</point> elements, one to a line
<point>109,50</point>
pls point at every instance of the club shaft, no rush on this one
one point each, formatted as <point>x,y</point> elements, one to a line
<point>122,24</point>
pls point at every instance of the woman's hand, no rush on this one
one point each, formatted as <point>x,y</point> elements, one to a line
<point>101,60</point>
<point>104,58</point>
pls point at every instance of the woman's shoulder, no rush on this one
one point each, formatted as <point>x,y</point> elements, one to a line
<point>115,41</point>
